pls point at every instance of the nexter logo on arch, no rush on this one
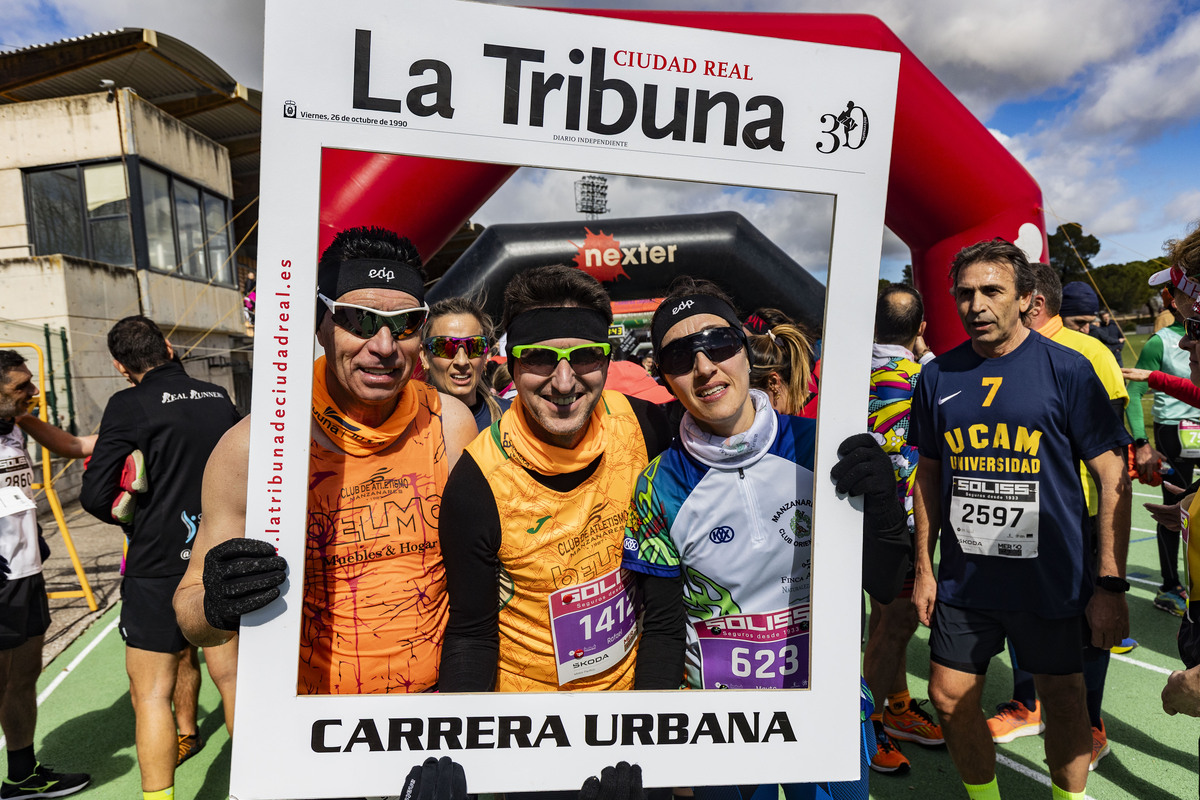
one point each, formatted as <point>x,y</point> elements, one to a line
<point>605,258</point>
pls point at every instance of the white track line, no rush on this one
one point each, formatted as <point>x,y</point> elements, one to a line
<point>1148,494</point>
<point>75,662</point>
<point>1141,580</point>
<point>1142,664</point>
<point>1044,780</point>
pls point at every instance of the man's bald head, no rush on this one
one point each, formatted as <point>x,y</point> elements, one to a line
<point>899,313</point>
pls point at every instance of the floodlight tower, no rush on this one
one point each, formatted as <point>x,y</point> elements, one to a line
<point>591,195</point>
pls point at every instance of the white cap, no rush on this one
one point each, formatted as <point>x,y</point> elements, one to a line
<point>1175,277</point>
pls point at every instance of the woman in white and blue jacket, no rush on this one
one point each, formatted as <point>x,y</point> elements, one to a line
<point>720,528</point>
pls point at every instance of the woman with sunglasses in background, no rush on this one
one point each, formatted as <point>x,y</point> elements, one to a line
<point>723,519</point>
<point>458,334</point>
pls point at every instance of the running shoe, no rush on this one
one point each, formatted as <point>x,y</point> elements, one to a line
<point>45,782</point>
<point>887,759</point>
<point>913,724</point>
<point>1125,646</point>
<point>1100,746</point>
<point>133,473</point>
<point>189,745</point>
<point>1013,720</point>
<point>1173,602</point>
<point>133,482</point>
<point>123,507</point>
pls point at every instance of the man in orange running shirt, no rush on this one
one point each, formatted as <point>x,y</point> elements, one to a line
<point>382,446</point>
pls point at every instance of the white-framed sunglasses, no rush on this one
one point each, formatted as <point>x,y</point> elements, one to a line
<point>366,322</point>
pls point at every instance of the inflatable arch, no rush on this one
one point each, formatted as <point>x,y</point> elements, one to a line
<point>951,182</point>
<point>639,257</point>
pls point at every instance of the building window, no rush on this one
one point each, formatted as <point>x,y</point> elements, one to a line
<point>160,233</point>
<point>190,228</point>
<point>83,210</point>
<point>187,228</point>
<point>107,201</point>
<point>216,224</point>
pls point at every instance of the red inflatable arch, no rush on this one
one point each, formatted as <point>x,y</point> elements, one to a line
<point>951,183</point>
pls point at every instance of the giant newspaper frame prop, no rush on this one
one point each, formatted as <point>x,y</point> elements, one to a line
<point>420,82</point>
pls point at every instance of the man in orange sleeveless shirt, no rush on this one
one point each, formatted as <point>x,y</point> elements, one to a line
<point>533,517</point>
<point>374,605</point>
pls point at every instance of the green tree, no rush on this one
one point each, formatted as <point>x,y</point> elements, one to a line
<point>1065,258</point>
<point>907,278</point>
<point>1125,286</point>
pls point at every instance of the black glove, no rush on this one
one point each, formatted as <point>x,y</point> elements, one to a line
<point>240,576</point>
<point>864,469</point>
<point>4,570</point>
<point>622,782</point>
<point>436,779</point>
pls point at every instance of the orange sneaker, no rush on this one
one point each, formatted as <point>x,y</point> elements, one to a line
<point>887,759</point>
<point>189,745</point>
<point>1013,720</point>
<point>1100,746</point>
<point>913,724</point>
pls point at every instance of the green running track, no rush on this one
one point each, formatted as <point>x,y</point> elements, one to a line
<point>86,721</point>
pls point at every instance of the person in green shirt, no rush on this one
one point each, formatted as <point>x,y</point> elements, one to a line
<point>1177,436</point>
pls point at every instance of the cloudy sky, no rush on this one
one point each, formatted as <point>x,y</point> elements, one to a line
<point>1099,99</point>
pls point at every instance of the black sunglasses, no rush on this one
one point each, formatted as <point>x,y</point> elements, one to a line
<point>366,322</point>
<point>1192,328</point>
<point>719,344</point>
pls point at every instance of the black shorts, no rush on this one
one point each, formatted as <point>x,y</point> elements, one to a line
<point>147,616</point>
<point>24,611</point>
<point>966,639</point>
<point>1189,639</point>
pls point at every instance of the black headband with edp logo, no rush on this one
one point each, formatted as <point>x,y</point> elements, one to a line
<point>689,306</point>
<point>372,273</point>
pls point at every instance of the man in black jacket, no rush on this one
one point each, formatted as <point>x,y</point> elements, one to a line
<point>174,421</point>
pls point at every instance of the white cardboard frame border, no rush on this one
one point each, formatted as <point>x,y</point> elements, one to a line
<point>274,725</point>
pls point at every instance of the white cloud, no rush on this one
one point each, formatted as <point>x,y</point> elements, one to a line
<point>1079,180</point>
<point>230,32</point>
<point>1103,55</point>
<point>987,52</point>
<point>1084,156</point>
<point>1183,209</point>
<point>1143,95</point>
<point>993,51</point>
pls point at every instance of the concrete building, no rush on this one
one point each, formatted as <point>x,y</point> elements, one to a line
<point>135,195</point>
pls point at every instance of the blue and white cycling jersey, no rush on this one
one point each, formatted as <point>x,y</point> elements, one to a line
<point>741,536</point>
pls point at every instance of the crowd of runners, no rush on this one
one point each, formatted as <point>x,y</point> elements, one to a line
<point>457,524</point>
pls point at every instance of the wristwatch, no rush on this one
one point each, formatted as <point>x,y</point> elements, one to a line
<point>1140,442</point>
<point>1111,583</point>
